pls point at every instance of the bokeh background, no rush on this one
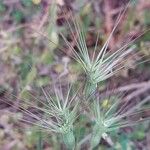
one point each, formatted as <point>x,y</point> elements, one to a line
<point>30,57</point>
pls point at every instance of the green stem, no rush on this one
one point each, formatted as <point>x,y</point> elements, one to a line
<point>96,135</point>
<point>89,88</point>
<point>40,141</point>
<point>69,140</point>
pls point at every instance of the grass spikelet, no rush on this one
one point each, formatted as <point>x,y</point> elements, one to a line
<point>113,118</point>
<point>102,65</point>
<point>65,115</point>
<point>57,114</point>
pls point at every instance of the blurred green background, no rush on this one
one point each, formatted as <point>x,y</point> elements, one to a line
<point>30,57</point>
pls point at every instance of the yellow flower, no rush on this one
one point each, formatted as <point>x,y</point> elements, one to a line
<point>36,1</point>
<point>105,103</point>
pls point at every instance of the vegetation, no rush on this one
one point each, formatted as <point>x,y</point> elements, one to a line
<point>74,75</point>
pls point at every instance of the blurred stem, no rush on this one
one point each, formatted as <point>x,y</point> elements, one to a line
<point>84,140</point>
<point>69,140</point>
<point>96,135</point>
<point>89,88</point>
<point>40,141</point>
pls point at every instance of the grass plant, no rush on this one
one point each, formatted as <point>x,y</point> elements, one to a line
<point>115,117</point>
<point>61,109</point>
<point>102,64</point>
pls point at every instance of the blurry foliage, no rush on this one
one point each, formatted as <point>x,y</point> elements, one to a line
<point>17,16</point>
<point>25,67</point>
<point>27,70</point>
<point>147,17</point>
<point>2,7</point>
